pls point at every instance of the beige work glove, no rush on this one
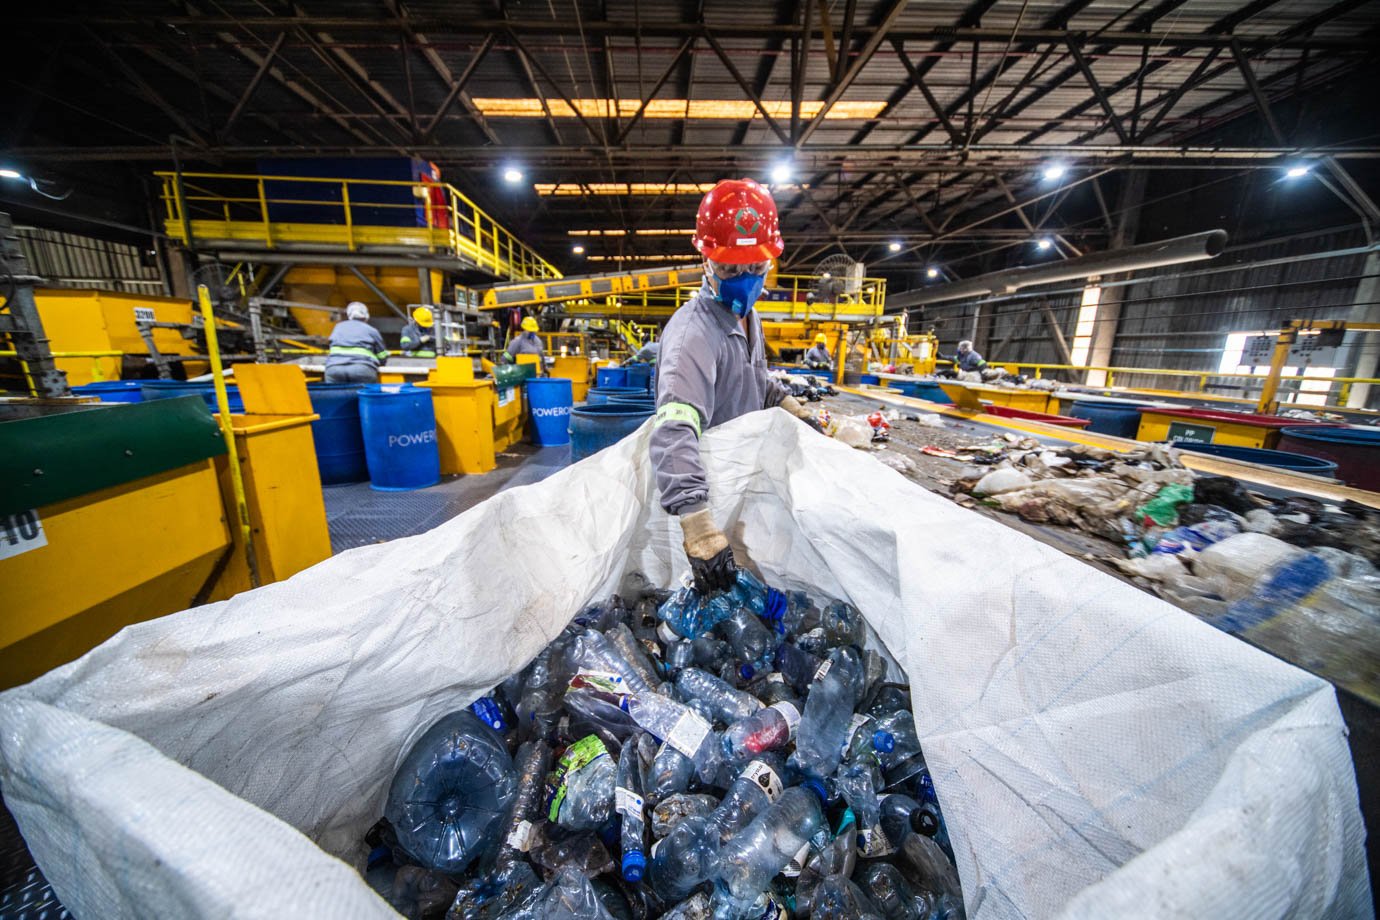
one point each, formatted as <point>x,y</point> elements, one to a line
<point>711,558</point>
<point>794,407</point>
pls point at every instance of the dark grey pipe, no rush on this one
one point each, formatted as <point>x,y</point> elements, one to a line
<point>1192,248</point>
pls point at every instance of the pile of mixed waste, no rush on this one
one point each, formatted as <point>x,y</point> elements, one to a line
<point>1295,574</point>
<point>671,755</point>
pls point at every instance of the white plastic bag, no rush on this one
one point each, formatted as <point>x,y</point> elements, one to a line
<point>1097,752</point>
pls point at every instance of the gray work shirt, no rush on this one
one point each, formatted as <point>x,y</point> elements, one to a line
<point>709,372</point>
<point>818,355</point>
<point>527,343</point>
<point>354,341</point>
<point>648,353</point>
<point>971,361</point>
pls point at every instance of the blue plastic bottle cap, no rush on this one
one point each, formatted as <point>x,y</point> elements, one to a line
<point>633,866</point>
<point>746,671</point>
<point>817,788</point>
<point>883,741</point>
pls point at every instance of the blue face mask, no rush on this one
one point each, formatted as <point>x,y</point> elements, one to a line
<point>740,292</point>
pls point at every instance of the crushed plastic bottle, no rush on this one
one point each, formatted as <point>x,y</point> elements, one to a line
<point>533,762</point>
<point>751,642</point>
<point>838,858</point>
<point>684,858</point>
<point>583,852</point>
<point>837,898</point>
<point>725,702</point>
<point>448,798</point>
<point>768,729</point>
<point>888,889</point>
<point>568,896</point>
<point>750,858</point>
<point>633,653</point>
<point>828,713</point>
<point>757,786</point>
<point>672,810</point>
<point>580,789</point>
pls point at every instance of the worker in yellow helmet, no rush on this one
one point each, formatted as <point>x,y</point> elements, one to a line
<point>526,342</point>
<point>817,357</point>
<point>418,339</point>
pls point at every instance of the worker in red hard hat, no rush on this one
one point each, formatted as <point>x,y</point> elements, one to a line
<point>713,365</point>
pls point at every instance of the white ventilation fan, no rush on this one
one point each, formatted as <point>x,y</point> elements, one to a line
<point>837,276</point>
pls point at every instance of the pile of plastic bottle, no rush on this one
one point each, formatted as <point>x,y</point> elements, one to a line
<point>675,756</point>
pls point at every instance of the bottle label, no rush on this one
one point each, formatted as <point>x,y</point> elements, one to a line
<point>627,802</point>
<point>689,733</point>
<point>656,846</point>
<point>857,722</point>
<point>666,634</point>
<point>789,713</point>
<point>765,778</point>
<point>873,843</point>
<point>599,681</point>
<point>823,668</point>
<point>776,677</point>
<point>520,837</point>
<point>583,752</point>
<point>798,861</point>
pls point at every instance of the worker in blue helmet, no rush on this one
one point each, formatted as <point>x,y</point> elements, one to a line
<point>357,349</point>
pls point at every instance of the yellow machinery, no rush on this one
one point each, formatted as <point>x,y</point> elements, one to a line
<point>89,331</point>
<point>111,514</point>
<point>334,285</point>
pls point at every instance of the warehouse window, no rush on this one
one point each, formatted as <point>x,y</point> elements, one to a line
<point>1087,322</point>
<point>1304,393</point>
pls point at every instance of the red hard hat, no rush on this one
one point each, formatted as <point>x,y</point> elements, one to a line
<point>737,224</point>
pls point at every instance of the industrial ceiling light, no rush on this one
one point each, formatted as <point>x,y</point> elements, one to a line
<point>512,175</point>
<point>931,272</point>
<point>1053,172</point>
<point>1043,243</point>
<point>1293,172</point>
<point>894,246</point>
<point>578,250</point>
<point>10,174</point>
<point>781,174</point>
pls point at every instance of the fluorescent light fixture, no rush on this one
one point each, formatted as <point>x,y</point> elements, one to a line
<point>622,188</point>
<point>578,250</point>
<point>931,272</point>
<point>662,231</point>
<point>10,174</point>
<point>512,175</point>
<point>1053,172</point>
<point>1293,172</point>
<point>894,246</point>
<point>1044,243</point>
<point>696,109</point>
<point>781,174</point>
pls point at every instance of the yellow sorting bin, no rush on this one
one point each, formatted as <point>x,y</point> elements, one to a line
<point>1212,426</point>
<point>465,416</point>
<point>574,368</point>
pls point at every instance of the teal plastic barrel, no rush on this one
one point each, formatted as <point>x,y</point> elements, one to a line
<point>1356,451</point>
<point>1294,463</point>
<point>169,389</point>
<point>1108,418</point>
<point>639,376</point>
<point>597,396</point>
<point>592,428</point>
<point>549,400</point>
<point>113,391</point>
<point>338,434</point>
<point>399,425</point>
<point>611,377</point>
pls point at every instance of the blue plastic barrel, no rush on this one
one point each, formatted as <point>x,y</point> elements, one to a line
<point>549,400</point>
<point>611,377</point>
<point>1294,463</point>
<point>592,428</point>
<point>168,389</point>
<point>632,399</point>
<point>599,395</point>
<point>337,433</point>
<point>923,389</point>
<point>113,391</point>
<point>1108,418</point>
<point>399,425</point>
<point>639,375</point>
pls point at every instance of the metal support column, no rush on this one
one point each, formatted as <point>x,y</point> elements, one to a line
<point>1109,307</point>
<point>23,324</point>
<point>377,292</point>
<point>1365,309</point>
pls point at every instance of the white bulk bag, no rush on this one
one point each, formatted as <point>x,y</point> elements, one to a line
<point>1096,751</point>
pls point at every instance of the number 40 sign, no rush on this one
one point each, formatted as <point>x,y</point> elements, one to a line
<point>19,533</point>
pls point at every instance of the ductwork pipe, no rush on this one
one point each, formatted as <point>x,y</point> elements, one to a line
<point>1192,248</point>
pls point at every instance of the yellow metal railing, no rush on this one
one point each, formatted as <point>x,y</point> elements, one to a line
<point>869,303</point>
<point>238,208</point>
<point>1202,377</point>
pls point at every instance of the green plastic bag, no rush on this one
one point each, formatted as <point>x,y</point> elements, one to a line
<point>1163,509</point>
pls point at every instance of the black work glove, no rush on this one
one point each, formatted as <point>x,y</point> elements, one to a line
<point>711,558</point>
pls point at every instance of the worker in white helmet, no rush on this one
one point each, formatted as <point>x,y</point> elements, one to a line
<point>357,349</point>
